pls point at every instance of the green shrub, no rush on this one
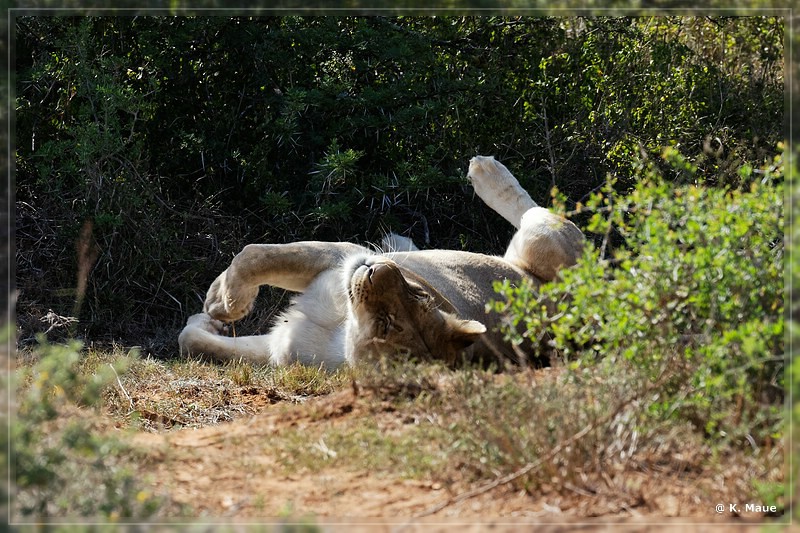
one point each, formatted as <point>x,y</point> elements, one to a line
<point>62,465</point>
<point>697,280</point>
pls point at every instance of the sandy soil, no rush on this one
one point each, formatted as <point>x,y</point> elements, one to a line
<point>228,473</point>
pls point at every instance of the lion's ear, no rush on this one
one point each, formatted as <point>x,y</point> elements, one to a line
<point>464,332</point>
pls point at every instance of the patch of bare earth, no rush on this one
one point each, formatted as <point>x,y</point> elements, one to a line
<point>237,471</point>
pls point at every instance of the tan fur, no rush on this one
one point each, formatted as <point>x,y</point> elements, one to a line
<point>357,304</point>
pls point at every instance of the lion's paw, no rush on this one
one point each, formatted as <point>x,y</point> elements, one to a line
<point>206,323</point>
<point>193,339</point>
<point>499,189</point>
<point>228,301</point>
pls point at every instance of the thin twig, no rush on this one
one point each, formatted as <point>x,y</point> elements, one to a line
<point>608,229</point>
<point>119,382</point>
<point>549,144</point>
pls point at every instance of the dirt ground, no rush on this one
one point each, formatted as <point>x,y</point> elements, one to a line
<point>227,474</point>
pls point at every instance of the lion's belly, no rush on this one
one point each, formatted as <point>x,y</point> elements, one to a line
<point>464,278</point>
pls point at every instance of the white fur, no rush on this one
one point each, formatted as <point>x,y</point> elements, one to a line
<point>310,331</point>
<point>393,242</point>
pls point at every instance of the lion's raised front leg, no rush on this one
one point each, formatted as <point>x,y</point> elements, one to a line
<point>288,266</point>
<point>499,189</point>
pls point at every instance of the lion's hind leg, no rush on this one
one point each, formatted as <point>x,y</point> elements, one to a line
<point>545,243</point>
<point>204,335</point>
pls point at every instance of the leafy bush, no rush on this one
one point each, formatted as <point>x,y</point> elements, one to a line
<point>69,468</point>
<point>697,281</point>
<point>670,345</point>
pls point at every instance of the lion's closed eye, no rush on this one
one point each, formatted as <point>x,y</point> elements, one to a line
<point>388,323</point>
<point>382,325</point>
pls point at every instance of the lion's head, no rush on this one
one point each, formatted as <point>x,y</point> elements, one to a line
<point>391,315</point>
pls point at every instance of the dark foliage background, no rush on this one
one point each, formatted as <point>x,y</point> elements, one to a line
<point>149,150</point>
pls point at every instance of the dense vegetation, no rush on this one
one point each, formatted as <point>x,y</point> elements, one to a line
<point>693,297</point>
<point>160,146</point>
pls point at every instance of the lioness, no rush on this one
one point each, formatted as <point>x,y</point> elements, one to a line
<point>356,303</point>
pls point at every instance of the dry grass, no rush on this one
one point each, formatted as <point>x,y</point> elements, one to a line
<point>584,441</point>
<point>155,394</point>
